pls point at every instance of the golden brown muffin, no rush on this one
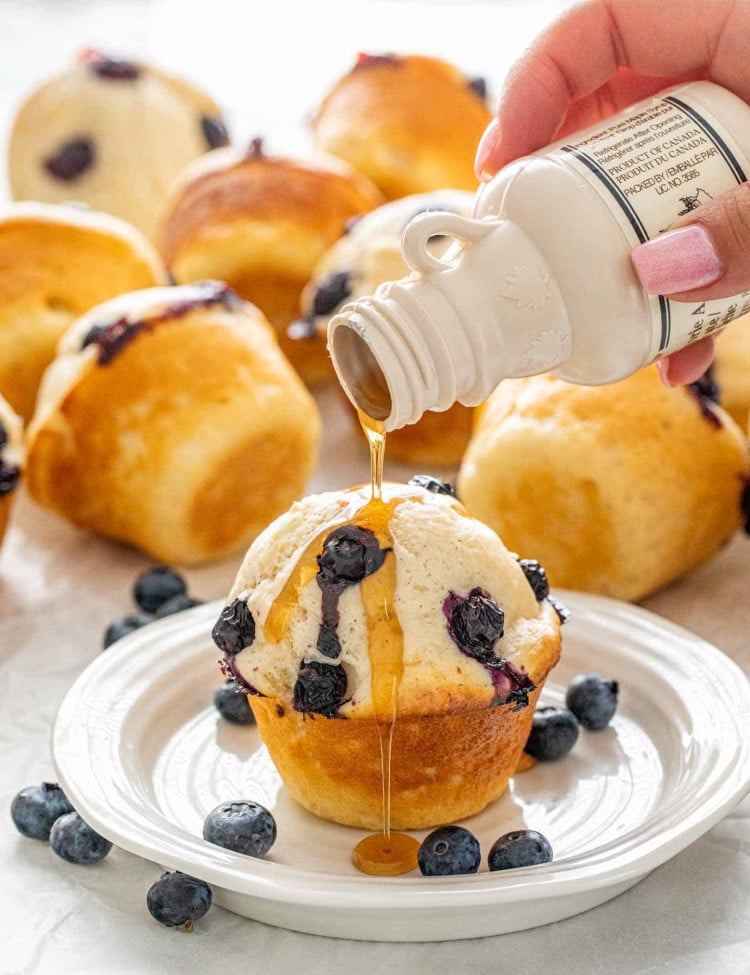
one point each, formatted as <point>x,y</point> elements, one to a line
<point>411,123</point>
<point>170,420</point>
<point>616,489</point>
<point>368,255</point>
<point>349,616</point>
<point>110,133</point>
<point>260,223</point>
<point>11,460</point>
<point>56,262</point>
<point>731,370</point>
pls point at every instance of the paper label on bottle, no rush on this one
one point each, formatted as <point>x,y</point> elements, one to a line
<point>655,165</point>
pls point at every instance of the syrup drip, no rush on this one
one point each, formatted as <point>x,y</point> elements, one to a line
<point>375,433</point>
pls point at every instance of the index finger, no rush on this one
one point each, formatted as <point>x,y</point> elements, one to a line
<point>584,49</point>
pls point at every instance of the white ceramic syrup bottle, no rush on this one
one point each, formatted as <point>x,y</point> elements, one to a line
<point>541,279</point>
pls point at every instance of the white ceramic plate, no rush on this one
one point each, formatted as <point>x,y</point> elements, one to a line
<point>144,756</point>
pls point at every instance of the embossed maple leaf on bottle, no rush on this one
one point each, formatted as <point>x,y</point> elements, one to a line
<point>540,279</point>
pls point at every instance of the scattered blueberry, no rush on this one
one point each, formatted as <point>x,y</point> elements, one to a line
<point>320,688</point>
<point>242,826</point>
<point>235,628</point>
<point>475,623</point>
<point>214,131</point>
<point>554,731</point>
<point>433,484</point>
<point>10,475</point>
<point>176,604</point>
<point>592,700</point>
<point>71,160</point>
<point>153,588</point>
<point>536,578</point>
<point>75,841</point>
<point>177,899</point>
<point>232,704</point>
<point>35,809</point>
<point>120,627</point>
<point>330,292</point>
<point>449,850</point>
<point>349,554</point>
<point>519,848</point>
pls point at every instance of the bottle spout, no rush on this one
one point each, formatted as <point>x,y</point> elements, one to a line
<point>360,374</point>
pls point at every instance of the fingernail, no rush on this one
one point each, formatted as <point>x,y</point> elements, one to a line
<point>662,367</point>
<point>486,147</point>
<point>679,260</point>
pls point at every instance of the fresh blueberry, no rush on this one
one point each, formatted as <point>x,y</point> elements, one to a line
<point>554,731</point>
<point>241,826</point>
<point>475,623</point>
<point>75,841</point>
<point>592,700</point>
<point>235,628</point>
<point>153,588</point>
<point>536,578</point>
<point>214,131</point>
<point>478,85</point>
<point>449,850</point>
<point>520,848</point>
<point>349,554</point>
<point>320,688</point>
<point>176,605</point>
<point>120,627</point>
<point>177,899</point>
<point>114,69</point>
<point>331,291</point>
<point>232,704</point>
<point>434,484</point>
<point>35,809</point>
<point>71,160</point>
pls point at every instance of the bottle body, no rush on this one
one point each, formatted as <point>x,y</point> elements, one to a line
<point>541,279</point>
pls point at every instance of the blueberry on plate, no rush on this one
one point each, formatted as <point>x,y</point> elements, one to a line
<point>176,604</point>
<point>449,850</point>
<point>75,841</point>
<point>519,848</point>
<point>554,731</point>
<point>153,588</point>
<point>232,704</point>
<point>176,899</point>
<point>123,625</point>
<point>241,826</point>
<point>35,809</point>
<point>593,700</point>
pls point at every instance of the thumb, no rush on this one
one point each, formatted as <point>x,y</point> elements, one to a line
<point>707,257</point>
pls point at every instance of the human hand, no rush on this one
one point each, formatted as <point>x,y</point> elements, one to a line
<point>603,55</point>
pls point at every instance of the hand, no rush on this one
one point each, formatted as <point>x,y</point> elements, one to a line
<point>603,55</point>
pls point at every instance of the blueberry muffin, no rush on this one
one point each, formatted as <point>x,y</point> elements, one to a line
<point>56,262</point>
<point>170,420</point>
<point>411,123</point>
<point>616,489</point>
<point>11,460</point>
<point>110,133</point>
<point>350,616</point>
<point>260,222</point>
<point>368,255</point>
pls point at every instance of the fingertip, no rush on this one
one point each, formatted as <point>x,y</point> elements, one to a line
<point>485,165</point>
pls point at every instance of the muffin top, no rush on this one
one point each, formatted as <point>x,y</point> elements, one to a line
<point>349,607</point>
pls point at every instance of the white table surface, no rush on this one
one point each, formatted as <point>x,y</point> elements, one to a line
<point>268,64</point>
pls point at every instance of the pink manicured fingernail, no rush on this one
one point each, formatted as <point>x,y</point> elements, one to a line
<point>679,260</point>
<point>486,147</point>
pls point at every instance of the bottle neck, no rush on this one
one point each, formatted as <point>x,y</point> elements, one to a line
<point>488,310</point>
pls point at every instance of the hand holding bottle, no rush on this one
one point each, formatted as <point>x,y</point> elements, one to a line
<point>602,56</point>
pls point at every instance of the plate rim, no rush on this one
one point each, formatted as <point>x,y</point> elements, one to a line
<point>270,881</point>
